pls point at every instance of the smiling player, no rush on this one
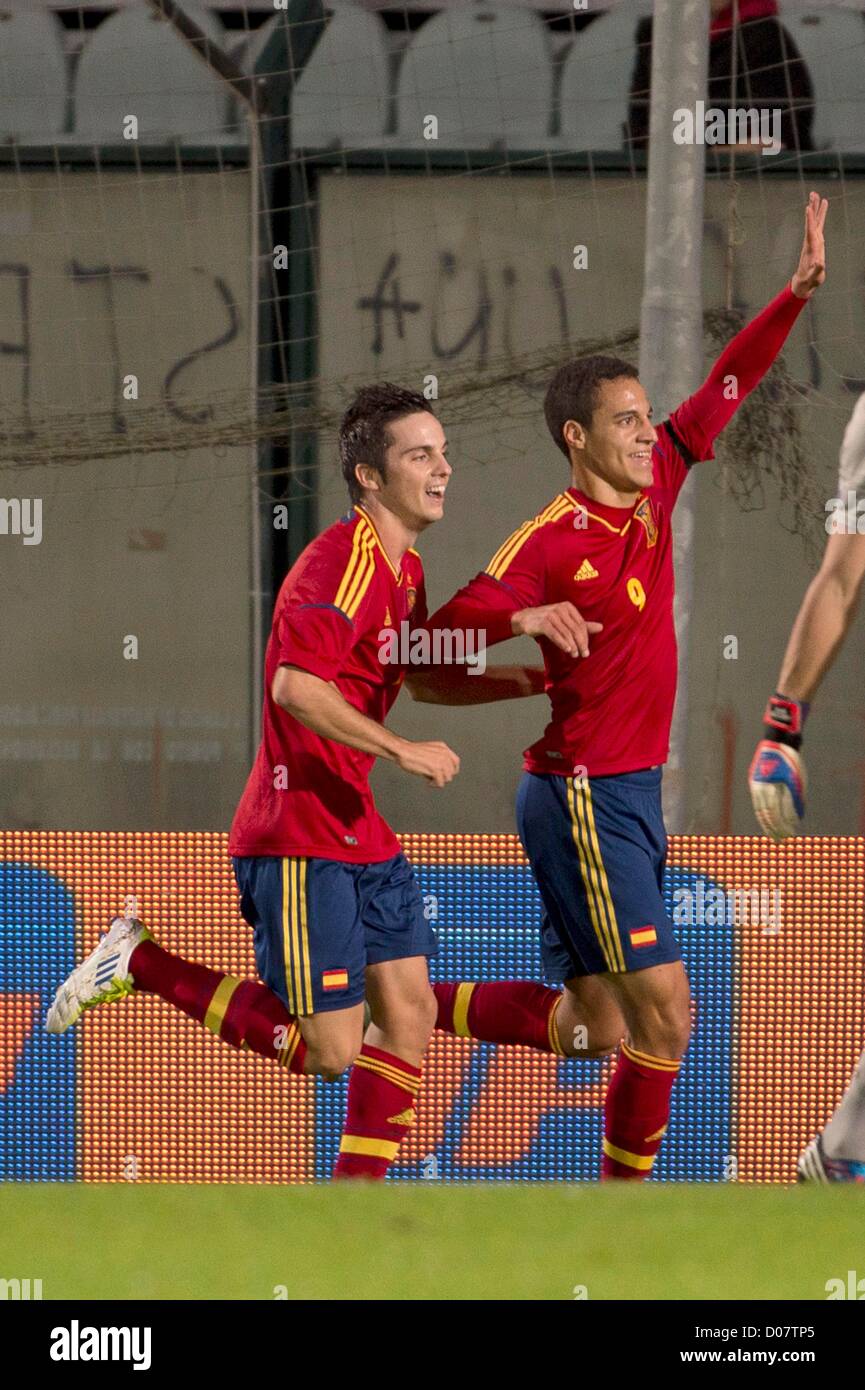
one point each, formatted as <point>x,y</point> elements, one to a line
<point>591,578</point>
<point>335,907</point>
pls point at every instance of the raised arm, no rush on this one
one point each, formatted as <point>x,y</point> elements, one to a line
<point>745,360</point>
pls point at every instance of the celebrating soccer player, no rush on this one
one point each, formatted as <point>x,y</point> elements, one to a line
<point>777,774</point>
<point>336,909</point>
<point>591,578</point>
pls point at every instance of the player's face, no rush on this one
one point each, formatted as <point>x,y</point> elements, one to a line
<point>416,470</point>
<point>618,443</point>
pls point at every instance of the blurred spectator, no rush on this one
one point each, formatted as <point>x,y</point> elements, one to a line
<point>770,71</point>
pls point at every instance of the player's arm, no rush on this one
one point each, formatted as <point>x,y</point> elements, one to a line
<point>777,776</point>
<point>317,704</point>
<point>507,600</point>
<point>825,617</point>
<point>745,360</point>
<point>461,684</point>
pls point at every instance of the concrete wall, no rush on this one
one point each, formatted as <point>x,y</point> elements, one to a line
<point>107,274</point>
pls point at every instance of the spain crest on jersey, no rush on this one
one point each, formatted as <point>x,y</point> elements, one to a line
<point>411,595</point>
<point>646,515</point>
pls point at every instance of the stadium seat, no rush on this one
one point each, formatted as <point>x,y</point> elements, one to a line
<point>135,64</point>
<point>32,77</point>
<point>342,94</point>
<point>486,75</point>
<point>596,79</point>
<point>832,43</point>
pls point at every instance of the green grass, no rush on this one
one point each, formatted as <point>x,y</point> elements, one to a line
<point>395,1241</point>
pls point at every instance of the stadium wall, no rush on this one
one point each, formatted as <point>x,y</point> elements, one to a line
<point>772,939</point>
<point>137,589</point>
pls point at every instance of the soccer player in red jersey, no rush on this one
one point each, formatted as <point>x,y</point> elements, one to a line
<point>335,907</point>
<point>591,578</point>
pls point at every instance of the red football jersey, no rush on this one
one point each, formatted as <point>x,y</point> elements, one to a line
<point>612,710</point>
<point>309,795</point>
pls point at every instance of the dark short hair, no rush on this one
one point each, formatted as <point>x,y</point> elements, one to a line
<point>573,392</point>
<point>363,434</point>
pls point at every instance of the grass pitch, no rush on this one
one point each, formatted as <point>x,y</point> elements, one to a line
<point>431,1242</point>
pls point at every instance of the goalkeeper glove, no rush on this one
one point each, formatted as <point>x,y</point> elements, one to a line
<point>776,777</point>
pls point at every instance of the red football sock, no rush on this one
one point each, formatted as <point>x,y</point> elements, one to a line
<point>243,1012</point>
<point>382,1091</point>
<point>636,1113</point>
<point>506,1011</point>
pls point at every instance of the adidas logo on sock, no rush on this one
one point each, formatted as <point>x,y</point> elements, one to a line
<point>405,1117</point>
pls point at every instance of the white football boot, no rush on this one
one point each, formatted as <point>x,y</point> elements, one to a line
<point>815,1165</point>
<point>101,977</point>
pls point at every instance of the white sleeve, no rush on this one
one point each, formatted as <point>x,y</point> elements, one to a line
<point>851,472</point>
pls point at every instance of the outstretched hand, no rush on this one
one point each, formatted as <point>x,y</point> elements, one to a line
<point>811,270</point>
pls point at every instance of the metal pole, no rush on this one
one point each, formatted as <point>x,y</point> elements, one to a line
<point>671,321</point>
<point>257,616</point>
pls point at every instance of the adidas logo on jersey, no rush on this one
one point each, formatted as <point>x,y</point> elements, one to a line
<point>586,571</point>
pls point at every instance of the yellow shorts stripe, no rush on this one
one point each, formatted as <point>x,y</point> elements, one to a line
<point>219,1003</point>
<point>372,1148</point>
<point>287,941</point>
<point>599,904</point>
<point>645,1059</point>
<point>303,988</point>
<point>552,1030</point>
<point>642,1162</point>
<point>295,936</point>
<point>403,1079</point>
<point>462,1000</point>
<point>606,897</point>
<point>306,970</point>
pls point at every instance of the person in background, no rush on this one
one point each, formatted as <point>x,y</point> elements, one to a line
<point>770,71</point>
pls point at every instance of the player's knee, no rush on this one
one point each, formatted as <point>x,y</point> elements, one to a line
<point>680,1022</point>
<point>411,1019</point>
<point>597,1033</point>
<point>418,1018</point>
<point>428,1010</point>
<point>667,1035</point>
<point>602,1045</point>
<point>329,1060</point>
